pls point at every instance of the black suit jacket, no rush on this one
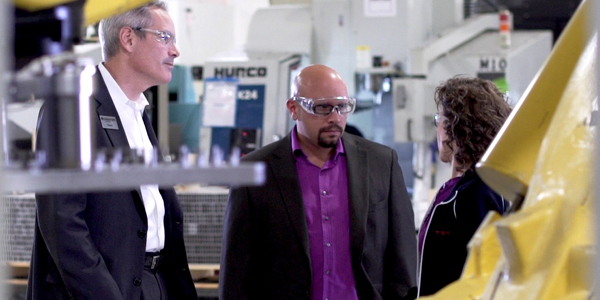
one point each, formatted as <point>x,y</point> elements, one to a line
<point>92,245</point>
<point>265,253</point>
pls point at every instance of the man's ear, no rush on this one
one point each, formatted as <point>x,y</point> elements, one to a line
<point>126,37</point>
<point>292,109</point>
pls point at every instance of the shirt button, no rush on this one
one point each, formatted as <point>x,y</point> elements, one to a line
<point>324,193</point>
<point>326,218</point>
<point>328,245</point>
<point>327,272</point>
<point>137,281</point>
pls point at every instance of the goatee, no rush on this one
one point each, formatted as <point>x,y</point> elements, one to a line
<point>329,143</point>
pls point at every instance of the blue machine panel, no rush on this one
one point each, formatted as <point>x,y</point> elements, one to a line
<point>250,106</point>
<point>249,115</point>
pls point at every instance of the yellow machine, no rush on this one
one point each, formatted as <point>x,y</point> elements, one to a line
<point>94,10</point>
<point>543,155</point>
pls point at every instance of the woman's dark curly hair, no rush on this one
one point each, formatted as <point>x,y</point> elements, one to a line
<point>475,110</point>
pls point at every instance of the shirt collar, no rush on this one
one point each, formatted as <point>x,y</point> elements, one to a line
<point>117,94</point>
<point>297,149</point>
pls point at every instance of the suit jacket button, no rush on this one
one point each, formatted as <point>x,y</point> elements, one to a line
<point>141,233</point>
<point>137,281</point>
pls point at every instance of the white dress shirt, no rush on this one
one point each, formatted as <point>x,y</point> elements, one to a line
<point>130,113</point>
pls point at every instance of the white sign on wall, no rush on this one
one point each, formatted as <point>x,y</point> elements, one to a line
<point>380,8</point>
<point>219,103</point>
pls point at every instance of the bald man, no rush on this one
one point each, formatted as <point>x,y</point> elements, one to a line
<point>333,221</point>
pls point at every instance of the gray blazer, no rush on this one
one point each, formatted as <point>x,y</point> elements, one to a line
<point>265,253</point>
<point>92,245</point>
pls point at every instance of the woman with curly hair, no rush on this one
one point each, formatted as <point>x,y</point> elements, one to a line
<point>471,111</point>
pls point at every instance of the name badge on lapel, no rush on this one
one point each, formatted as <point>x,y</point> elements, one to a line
<point>109,122</point>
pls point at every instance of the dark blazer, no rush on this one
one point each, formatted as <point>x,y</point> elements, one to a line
<point>452,225</point>
<point>92,245</point>
<point>265,253</point>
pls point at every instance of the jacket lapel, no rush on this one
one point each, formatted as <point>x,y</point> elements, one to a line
<point>106,107</point>
<point>286,177</point>
<point>358,194</point>
<point>117,137</point>
<point>149,129</point>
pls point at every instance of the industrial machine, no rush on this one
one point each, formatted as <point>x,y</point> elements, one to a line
<point>480,56</point>
<point>257,114</point>
<point>253,113</point>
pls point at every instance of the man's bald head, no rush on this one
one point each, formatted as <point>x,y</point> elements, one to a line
<point>318,81</point>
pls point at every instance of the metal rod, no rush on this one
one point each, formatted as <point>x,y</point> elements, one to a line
<point>7,26</point>
<point>130,177</point>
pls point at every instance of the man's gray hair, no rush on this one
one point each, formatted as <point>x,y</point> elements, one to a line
<point>110,28</point>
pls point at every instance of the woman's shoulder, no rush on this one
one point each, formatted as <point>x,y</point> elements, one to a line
<point>478,193</point>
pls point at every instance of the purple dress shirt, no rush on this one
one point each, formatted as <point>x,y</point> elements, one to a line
<point>325,196</point>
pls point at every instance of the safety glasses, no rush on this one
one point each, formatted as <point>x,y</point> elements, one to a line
<point>326,106</point>
<point>165,37</point>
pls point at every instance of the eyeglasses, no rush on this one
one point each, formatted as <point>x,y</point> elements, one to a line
<point>436,120</point>
<point>165,37</point>
<point>324,106</point>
